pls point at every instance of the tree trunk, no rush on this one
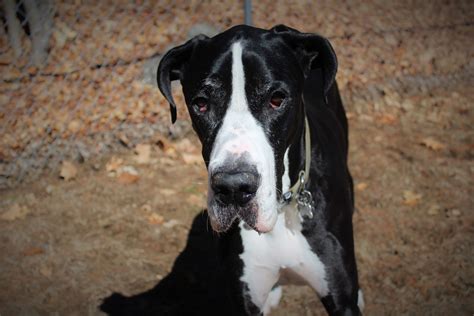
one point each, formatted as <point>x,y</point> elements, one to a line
<point>40,18</point>
<point>14,26</point>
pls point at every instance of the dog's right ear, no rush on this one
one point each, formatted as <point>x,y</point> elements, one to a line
<point>312,50</point>
<point>171,68</point>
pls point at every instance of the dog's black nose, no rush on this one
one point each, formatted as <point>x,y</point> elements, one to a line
<point>234,188</point>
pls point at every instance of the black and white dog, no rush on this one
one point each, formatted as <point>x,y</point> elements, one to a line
<point>267,111</point>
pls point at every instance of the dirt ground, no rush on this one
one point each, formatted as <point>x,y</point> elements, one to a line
<point>121,219</point>
<point>79,240</point>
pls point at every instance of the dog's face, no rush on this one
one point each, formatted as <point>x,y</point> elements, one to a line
<point>243,89</point>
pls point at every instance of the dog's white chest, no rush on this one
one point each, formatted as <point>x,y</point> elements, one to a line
<point>269,258</point>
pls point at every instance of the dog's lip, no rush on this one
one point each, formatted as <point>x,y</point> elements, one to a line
<point>220,227</point>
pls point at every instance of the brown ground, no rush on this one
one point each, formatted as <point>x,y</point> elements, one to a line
<point>408,91</point>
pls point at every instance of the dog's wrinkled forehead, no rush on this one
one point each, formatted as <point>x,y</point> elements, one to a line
<point>280,54</point>
<point>265,55</point>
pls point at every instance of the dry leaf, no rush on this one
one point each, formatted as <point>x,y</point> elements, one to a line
<point>16,211</point>
<point>185,145</point>
<point>165,145</point>
<point>171,223</point>
<point>456,212</point>
<point>192,158</point>
<point>146,208</point>
<point>46,271</point>
<point>124,139</point>
<point>167,192</point>
<point>127,178</point>
<point>361,186</point>
<point>155,219</point>
<point>411,198</point>
<point>143,152</point>
<point>387,119</point>
<point>50,189</point>
<point>434,209</point>
<point>33,251</point>
<point>74,126</point>
<point>113,164</point>
<point>120,114</point>
<point>432,144</point>
<point>68,170</point>
<point>166,161</point>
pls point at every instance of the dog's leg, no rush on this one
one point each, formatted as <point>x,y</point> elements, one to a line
<point>343,296</point>
<point>273,300</point>
<point>258,284</point>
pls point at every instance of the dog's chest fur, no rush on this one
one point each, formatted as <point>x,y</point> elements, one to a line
<point>279,257</point>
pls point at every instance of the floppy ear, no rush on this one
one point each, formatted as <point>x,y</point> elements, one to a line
<point>312,50</point>
<point>171,68</point>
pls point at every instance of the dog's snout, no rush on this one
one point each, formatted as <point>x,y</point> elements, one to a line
<point>234,188</point>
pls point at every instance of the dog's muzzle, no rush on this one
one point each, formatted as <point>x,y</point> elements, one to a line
<point>232,195</point>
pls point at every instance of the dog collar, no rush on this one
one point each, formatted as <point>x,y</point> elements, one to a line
<point>298,194</point>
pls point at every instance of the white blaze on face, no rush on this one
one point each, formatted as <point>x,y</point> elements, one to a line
<point>241,135</point>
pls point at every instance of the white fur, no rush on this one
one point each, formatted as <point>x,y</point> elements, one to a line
<point>241,134</point>
<point>285,180</point>
<point>284,250</point>
<point>266,256</point>
<point>273,300</point>
<point>360,300</point>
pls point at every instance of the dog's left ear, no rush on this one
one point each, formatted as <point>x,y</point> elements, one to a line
<point>312,50</point>
<point>171,68</point>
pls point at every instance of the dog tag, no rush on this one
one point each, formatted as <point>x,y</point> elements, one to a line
<point>305,203</point>
<point>306,210</point>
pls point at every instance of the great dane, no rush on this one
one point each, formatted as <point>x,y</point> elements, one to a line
<point>267,110</point>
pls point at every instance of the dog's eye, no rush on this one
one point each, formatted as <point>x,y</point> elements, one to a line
<point>277,99</point>
<point>200,104</point>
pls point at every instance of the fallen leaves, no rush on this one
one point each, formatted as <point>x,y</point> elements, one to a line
<point>455,212</point>
<point>192,159</point>
<point>125,174</point>
<point>33,251</point>
<point>74,126</point>
<point>46,271</point>
<point>127,178</point>
<point>387,119</point>
<point>50,189</point>
<point>432,144</point>
<point>411,198</point>
<point>143,153</point>
<point>155,219</point>
<point>171,223</point>
<point>16,211</point>
<point>350,115</point>
<point>167,192</point>
<point>68,170</point>
<point>361,186</point>
<point>434,209</point>
<point>113,164</point>
<point>165,145</point>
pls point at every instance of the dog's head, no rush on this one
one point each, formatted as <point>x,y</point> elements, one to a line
<point>243,89</point>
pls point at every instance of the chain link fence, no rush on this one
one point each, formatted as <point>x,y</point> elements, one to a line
<point>78,77</point>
